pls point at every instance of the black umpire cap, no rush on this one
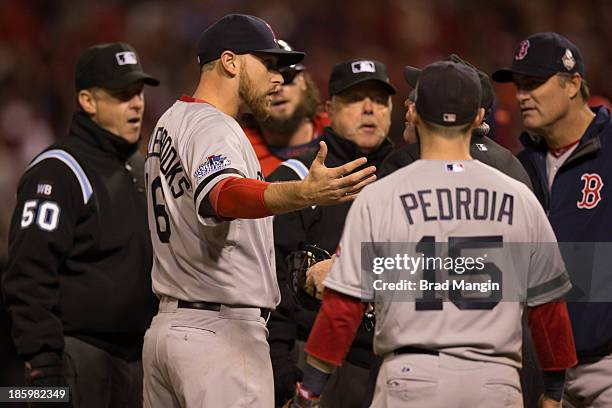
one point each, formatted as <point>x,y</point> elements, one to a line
<point>448,93</point>
<point>543,55</point>
<point>242,34</point>
<point>110,66</point>
<point>350,73</point>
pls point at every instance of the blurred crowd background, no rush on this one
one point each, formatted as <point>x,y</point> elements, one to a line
<point>41,39</point>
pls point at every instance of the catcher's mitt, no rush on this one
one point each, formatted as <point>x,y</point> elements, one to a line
<point>298,263</point>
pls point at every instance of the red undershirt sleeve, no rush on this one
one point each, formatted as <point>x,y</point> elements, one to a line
<point>335,327</point>
<point>552,335</point>
<point>237,197</point>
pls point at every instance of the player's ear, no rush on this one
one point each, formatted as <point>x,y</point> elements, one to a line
<point>86,99</point>
<point>572,85</point>
<point>479,117</point>
<point>411,108</point>
<point>413,114</point>
<point>329,108</point>
<point>301,81</point>
<point>230,63</point>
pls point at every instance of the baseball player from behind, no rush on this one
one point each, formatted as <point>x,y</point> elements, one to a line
<point>212,235</point>
<point>463,353</point>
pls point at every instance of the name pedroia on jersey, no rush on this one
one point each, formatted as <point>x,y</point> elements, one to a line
<point>459,203</point>
<point>169,162</point>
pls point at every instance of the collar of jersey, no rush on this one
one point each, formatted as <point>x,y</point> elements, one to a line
<point>191,99</point>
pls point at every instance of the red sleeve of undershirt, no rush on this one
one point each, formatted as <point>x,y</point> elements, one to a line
<point>552,335</point>
<point>237,197</point>
<point>335,327</point>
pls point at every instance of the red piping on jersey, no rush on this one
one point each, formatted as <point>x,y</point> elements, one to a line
<point>334,329</point>
<point>552,335</point>
<point>191,99</point>
<point>237,197</point>
<point>558,152</point>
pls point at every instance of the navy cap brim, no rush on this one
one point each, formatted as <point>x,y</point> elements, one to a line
<point>388,87</point>
<point>505,75</point>
<point>285,58</point>
<point>129,79</point>
<point>411,75</point>
<point>295,67</point>
<point>502,75</point>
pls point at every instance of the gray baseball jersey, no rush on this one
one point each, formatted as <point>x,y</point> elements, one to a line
<point>197,258</point>
<point>475,208</point>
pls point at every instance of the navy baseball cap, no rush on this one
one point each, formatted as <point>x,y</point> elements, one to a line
<point>448,93</point>
<point>348,74</point>
<point>289,72</point>
<point>242,34</point>
<point>110,66</point>
<point>285,46</point>
<point>543,55</point>
<point>411,74</point>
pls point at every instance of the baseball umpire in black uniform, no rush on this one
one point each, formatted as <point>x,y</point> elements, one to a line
<point>78,286</point>
<point>361,89</point>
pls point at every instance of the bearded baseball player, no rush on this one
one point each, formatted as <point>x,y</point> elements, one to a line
<point>295,122</point>
<point>209,216</point>
<point>464,352</point>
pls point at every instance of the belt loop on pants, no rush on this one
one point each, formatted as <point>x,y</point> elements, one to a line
<point>216,307</point>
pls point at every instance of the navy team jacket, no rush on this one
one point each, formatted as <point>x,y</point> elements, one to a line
<point>579,207</point>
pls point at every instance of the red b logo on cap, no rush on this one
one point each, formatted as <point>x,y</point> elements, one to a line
<point>522,52</point>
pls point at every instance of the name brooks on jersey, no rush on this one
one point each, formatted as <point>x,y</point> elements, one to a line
<point>169,163</point>
<point>460,203</point>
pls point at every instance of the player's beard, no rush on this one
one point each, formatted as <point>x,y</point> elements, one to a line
<point>284,127</point>
<point>257,103</point>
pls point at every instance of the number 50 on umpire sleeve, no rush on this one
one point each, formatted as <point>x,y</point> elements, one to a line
<point>45,214</point>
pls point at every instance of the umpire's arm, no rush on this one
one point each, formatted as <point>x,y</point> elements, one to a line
<point>41,235</point>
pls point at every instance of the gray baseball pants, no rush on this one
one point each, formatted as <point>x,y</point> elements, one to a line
<point>423,380</point>
<point>589,384</point>
<point>202,358</point>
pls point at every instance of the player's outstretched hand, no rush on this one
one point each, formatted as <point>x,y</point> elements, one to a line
<point>333,185</point>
